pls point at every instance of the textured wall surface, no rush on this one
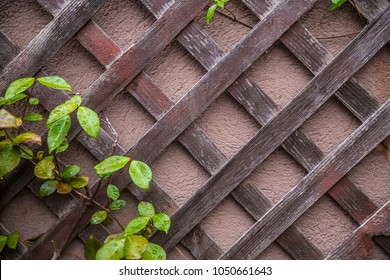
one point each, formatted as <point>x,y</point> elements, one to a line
<point>277,72</point>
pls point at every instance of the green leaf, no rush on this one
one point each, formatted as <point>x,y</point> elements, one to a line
<point>154,252</point>
<point>91,246</point>
<point>136,225</point>
<point>79,182</point>
<point>109,165</point>
<point>89,121</point>
<point>7,120</point>
<point>162,222</point>
<point>113,192</point>
<point>134,247</point>
<point>5,143</point>
<point>15,99</point>
<point>2,101</point>
<point>28,137</point>
<point>117,205</point>
<point>18,86</point>
<point>33,101</point>
<point>98,217</point>
<point>210,13</point>
<point>64,188</point>
<point>113,236</point>
<point>70,171</point>
<point>13,239</point>
<point>9,159</point>
<point>39,155</point>
<point>33,117</point>
<point>63,147</point>
<point>3,242</point>
<point>75,99</point>
<point>112,250</point>
<point>146,209</point>
<point>48,188</point>
<point>57,133</point>
<point>59,112</point>
<point>337,3</point>
<point>140,173</point>
<point>55,82</point>
<point>44,169</point>
<point>27,153</point>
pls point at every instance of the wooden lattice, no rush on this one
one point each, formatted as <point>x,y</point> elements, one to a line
<point>226,72</point>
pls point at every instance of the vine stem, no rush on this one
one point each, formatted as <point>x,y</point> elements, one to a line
<point>21,148</point>
<point>29,94</point>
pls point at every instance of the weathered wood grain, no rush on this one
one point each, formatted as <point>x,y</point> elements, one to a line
<point>313,186</point>
<point>49,41</point>
<point>358,245</point>
<point>370,9</point>
<point>279,128</point>
<point>8,51</point>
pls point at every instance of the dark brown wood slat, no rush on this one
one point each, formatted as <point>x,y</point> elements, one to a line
<point>358,245</point>
<point>212,159</point>
<point>49,41</point>
<point>8,51</point>
<point>53,7</point>
<point>279,128</point>
<point>370,9</point>
<point>313,186</point>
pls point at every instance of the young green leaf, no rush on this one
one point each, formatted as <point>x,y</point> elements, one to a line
<point>109,165</point>
<point>112,250</point>
<point>27,153</point>
<point>9,159</point>
<point>154,252</point>
<point>113,236</point>
<point>45,169</point>
<point>75,99</point>
<point>70,171</point>
<point>79,182</point>
<point>89,121</point>
<point>33,101</point>
<point>27,137</point>
<point>117,205</point>
<point>7,120</point>
<point>136,225</point>
<point>162,222</point>
<point>91,246</point>
<point>3,242</point>
<point>140,173</point>
<point>146,209</point>
<point>64,188</point>
<point>48,188</point>
<point>135,246</point>
<point>337,3</point>
<point>57,133</point>
<point>15,99</point>
<point>18,86</point>
<point>210,13</point>
<point>113,192</point>
<point>55,82</point>
<point>59,112</point>
<point>13,239</point>
<point>98,217</point>
<point>33,117</point>
<point>63,147</point>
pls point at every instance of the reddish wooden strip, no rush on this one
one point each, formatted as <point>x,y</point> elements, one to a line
<point>312,187</point>
<point>49,41</point>
<point>278,129</point>
<point>358,245</point>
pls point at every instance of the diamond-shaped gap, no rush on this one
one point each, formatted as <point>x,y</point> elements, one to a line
<point>330,125</point>
<point>274,252</point>
<point>277,175</point>
<point>124,21</point>
<point>326,224</point>
<point>175,71</point>
<point>334,29</point>
<point>178,173</point>
<point>21,21</point>
<point>372,176</point>
<point>27,214</point>
<point>279,74</point>
<point>129,119</point>
<point>227,222</point>
<point>374,76</point>
<point>228,124</point>
<point>224,31</point>
<point>76,65</point>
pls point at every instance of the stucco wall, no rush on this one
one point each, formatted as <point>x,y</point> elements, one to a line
<point>277,72</point>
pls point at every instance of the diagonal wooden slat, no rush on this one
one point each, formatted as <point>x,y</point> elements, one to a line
<point>358,245</point>
<point>49,41</point>
<point>313,186</point>
<point>371,39</point>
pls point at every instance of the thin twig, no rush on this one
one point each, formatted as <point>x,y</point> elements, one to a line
<point>233,18</point>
